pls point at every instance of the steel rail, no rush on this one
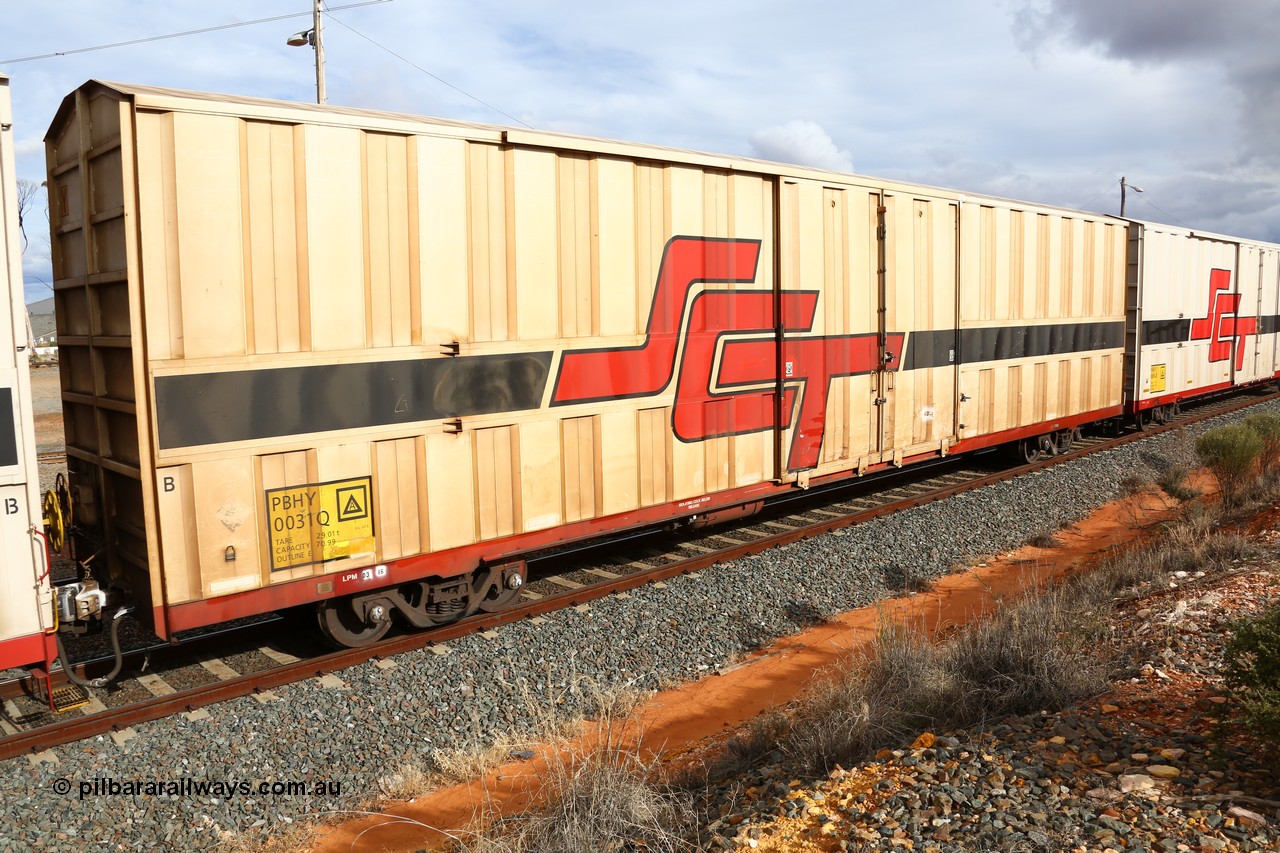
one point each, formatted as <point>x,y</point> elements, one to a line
<point>207,641</point>
<point>114,719</point>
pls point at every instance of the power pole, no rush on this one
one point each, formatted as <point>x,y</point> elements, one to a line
<point>317,28</point>
<point>1123,186</point>
<point>315,38</point>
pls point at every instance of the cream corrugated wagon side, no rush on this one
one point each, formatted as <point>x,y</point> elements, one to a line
<point>365,360</point>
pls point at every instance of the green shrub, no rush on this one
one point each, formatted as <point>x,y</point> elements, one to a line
<point>1252,673</point>
<point>1267,426</point>
<point>1231,452</point>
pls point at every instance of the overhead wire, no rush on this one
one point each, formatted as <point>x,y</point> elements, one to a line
<point>1085,206</point>
<point>183,33</point>
<point>435,77</point>
<point>1176,220</point>
<point>1142,198</point>
<point>328,9</point>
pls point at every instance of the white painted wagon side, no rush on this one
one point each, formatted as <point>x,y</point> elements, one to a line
<point>1259,291</point>
<point>1204,309</point>
<point>25,609</point>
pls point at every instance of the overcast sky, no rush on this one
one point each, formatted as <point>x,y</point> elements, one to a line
<point>1050,100</point>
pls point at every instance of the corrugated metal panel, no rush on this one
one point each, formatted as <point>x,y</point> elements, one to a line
<point>1045,291</point>
<point>403,293</point>
<point>281,286</point>
<point>91,175</point>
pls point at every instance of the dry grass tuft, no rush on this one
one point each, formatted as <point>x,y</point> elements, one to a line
<point>1043,540</point>
<point>284,838</point>
<point>1134,484</point>
<point>549,727</point>
<point>407,781</point>
<point>606,796</point>
<point>1025,657</point>
<point>1173,480</point>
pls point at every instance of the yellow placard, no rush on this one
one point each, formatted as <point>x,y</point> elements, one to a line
<point>1157,378</point>
<point>319,522</point>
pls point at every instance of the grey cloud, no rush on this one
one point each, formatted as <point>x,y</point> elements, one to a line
<point>1236,39</point>
<point>1153,30</point>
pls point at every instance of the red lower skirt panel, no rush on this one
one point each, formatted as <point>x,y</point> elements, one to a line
<point>982,442</point>
<point>1193,393</point>
<point>21,651</point>
<point>1179,396</point>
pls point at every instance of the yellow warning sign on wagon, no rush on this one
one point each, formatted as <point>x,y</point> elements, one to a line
<point>319,522</point>
<point>1157,378</point>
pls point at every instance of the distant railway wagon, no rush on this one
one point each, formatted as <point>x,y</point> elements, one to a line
<point>1204,313</point>
<point>26,613</point>
<point>366,363</point>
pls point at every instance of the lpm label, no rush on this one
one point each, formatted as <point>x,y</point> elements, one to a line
<point>319,522</point>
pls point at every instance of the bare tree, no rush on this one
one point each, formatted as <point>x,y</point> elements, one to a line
<point>28,192</point>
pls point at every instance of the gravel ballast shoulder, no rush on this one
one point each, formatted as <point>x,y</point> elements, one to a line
<point>350,734</point>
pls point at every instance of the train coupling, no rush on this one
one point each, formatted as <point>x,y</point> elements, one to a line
<point>80,604</point>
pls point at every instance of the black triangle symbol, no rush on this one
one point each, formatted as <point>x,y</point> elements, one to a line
<point>352,506</point>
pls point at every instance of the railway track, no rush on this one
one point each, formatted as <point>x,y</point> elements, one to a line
<point>565,578</point>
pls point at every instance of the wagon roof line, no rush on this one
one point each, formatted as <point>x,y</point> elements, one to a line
<point>160,98</point>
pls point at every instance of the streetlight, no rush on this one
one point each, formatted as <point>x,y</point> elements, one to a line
<point>315,38</point>
<point>1123,186</point>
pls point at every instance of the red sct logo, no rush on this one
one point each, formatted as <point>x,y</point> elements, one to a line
<point>736,393</point>
<point>1220,325</point>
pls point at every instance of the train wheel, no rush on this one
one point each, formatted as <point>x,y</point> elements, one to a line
<point>1029,450</point>
<point>504,589</point>
<point>1062,441</point>
<point>344,628</point>
<point>1143,420</point>
<point>498,599</point>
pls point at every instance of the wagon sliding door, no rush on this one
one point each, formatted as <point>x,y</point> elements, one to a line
<point>1268,359</point>
<point>920,290</point>
<point>827,252</point>
<point>858,268</point>
<point>1252,328</point>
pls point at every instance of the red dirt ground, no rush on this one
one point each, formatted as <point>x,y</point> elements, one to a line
<point>695,716</point>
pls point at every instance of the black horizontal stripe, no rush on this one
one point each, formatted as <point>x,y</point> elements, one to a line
<point>242,405</point>
<point>8,429</point>
<point>245,405</point>
<point>998,343</point>
<point>931,349</point>
<point>1179,331</point>
<point>1165,331</point>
